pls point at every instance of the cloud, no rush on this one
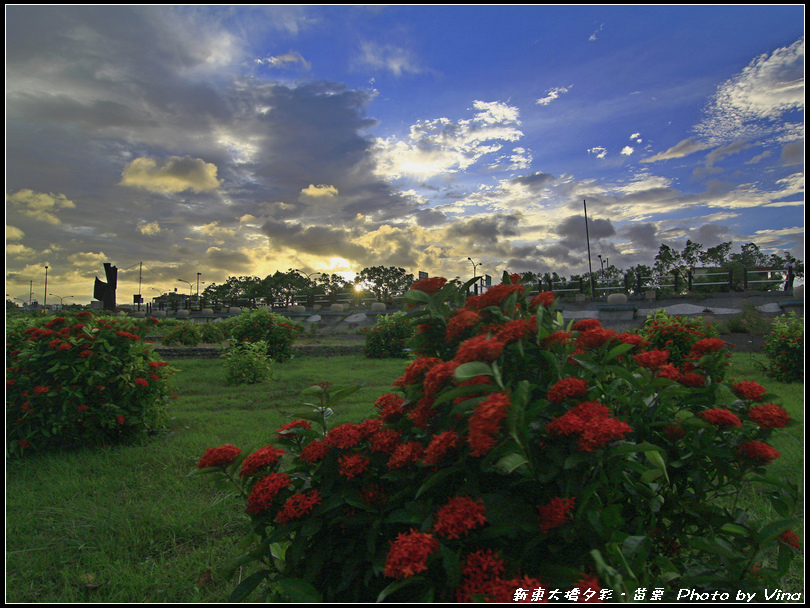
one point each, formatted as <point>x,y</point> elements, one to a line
<point>534,180</point>
<point>40,206</point>
<point>88,260</point>
<point>389,57</point>
<point>149,229</point>
<point>683,148</point>
<point>723,151</point>
<point>284,61</point>
<point>793,153</point>
<point>176,174</point>
<point>592,37</point>
<point>14,234</point>
<point>321,191</point>
<point>553,94</point>
<point>627,151</point>
<point>438,146</point>
<point>749,104</point>
<point>599,151</point>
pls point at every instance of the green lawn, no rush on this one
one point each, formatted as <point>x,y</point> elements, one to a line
<point>126,524</point>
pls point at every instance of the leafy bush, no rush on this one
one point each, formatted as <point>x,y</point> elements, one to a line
<point>276,331</point>
<point>212,333</point>
<point>785,349</point>
<point>388,337</point>
<point>185,333</point>
<point>81,380</point>
<point>748,321</point>
<point>517,453</point>
<point>676,334</point>
<point>247,363</point>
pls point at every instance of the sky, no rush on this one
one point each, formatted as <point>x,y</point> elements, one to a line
<point>241,140</point>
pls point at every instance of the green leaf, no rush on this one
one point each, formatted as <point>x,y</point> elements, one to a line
<point>299,590</point>
<point>247,586</point>
<point>734,529</point>
<point>654,458</point>
<point>415,296</point>
<point>776,528</point>
<point>507,464</point>
<point>396,586</point>
<point>468,371</point>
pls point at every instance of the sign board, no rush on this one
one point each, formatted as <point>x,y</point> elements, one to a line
<point>422,275</point>
<point>488,280</point>
<point>137,299</point>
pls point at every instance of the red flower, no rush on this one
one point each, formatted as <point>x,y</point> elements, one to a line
<point>545,299</point>
<point>298,505</point>
<point>586,324</point>
<point>567,388</point>
<point>384,440</point>
<point>352,465</point>
<point>263,458</point>
<point>314,451</point>
<point>460,322</point>
<point>596,337</point>
<point>634,339</point>
<point>219,457</point>
<point>494,296</point>
<point>558,337</point>
<point>705,346</point>
<point>790,538</point>
<point>485,423</point>
<point>555,513</point>
<point>460,515</point>
<point>430,285</point>
<point>515,330</point>
<point>374,496</point>
<point>405,454</point>
<point>479,569</point>
<point>344,436</point>
<point>721,417</point>
<point>295,424</point>
<point>120,419</point>
<point>674,432</point>
<point>64,347</point>
<point>769,416</point>
<point>409,553</point>
<point>41,390</point>
<point>479,348</point>
<point>141,381</point>
<point>759,452</point>
<point>438,377</point>
<point>390,406</point>
<point>416,371</point>
<point>592,422</point>
<point>440,446</point>
<point>82,408</point>
<point>750,390</point>
<point>669,371</point>
<point>85,353</point>
<point>652,359</point>
<point>265,490</point>
<point>692,380</point>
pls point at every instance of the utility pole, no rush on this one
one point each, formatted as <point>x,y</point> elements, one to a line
<point>45,303</point>
<point>140,277</point>
<point>588,238</point>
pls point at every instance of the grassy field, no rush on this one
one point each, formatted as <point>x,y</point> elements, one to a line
<point>126,524</point>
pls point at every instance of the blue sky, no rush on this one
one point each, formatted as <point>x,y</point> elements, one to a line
<point>245,140</point>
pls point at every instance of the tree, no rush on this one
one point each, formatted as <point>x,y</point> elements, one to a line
<point>691,253</point>
<point>333,284</point>
<point>384,281</point>
<point>716,256</point>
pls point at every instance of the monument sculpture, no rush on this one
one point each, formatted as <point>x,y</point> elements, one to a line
<point>105,292</point>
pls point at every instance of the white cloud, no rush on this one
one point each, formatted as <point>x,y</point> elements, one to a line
<point>683,148</point>
<point>149,229</point>
<point>627,151</point>
<point>14,234</point>
<point>599,151</point>
<point>747,105</point>
<point>389,57</point>
<point>320,191</point>
<point>592,37</point>
<point>441,146</point>
<point>286,60</point>
<point>553,94</point>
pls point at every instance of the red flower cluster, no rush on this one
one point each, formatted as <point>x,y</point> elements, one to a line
<point>544,298</point>
<point>263,458</point>
<point>721,417</point>
<point>706,346</point>
<point>485,423</point>
<point>556,513</point>
<point>219,457</point>
<point>344,436</point>
<point>460,515</point>
<point>652,359</point>
<point>430,285</point>
<point>352,465</point>
<point>479,348</point>
<point>567,388</point>
<point>494,296</point>
<point>314,451</point>
<point>265,490</point>
<point>439,447</point>
<point>753,391</point>
<point>759,452</point>
<point>586,325</point>
<point>295,424</point>
<point>298,505</point>
<point>479,570</point>
<point>416,371</point>
<point>390,406</point>
<point>592,422</point>
<point>461,321</point>
<point>405,454</point>
<point>790,538</point>
<point>769,416</point>
<point>595,337</point>
<point>141,381</point>
<point>409,553</point>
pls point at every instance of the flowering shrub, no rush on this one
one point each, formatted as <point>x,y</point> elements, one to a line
<point>679,335</point>
<point>276,331</point>
<point>81,380</point>
<point>388,337</point>
<point>247,363</point>
<point>185,333</point>
<point>785,349</point>
<point>516,452</point>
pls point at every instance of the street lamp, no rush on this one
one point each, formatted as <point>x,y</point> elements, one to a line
<point>61,298</point>
<point>474,265</point>
<point>601,266</point>
<point>198,286</point>
<point>45,303</point>
<point>190,286</point>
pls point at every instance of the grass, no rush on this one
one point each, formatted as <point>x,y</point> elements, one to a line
<point>126,524</point>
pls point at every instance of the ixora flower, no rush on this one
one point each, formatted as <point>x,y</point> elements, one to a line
<point>263,458</point>
<point>430,285</point>
<point>460,515</point>
<point>769,416</point>
<point>219,457</point>
<point>265,490</point>
<point>592,422</point>
<point>567,388</point>
<point>352,465</point>
<point>485,423</point>
<point>721,417</point>
<point>758,452</point>
<point>753,391</point>
<point>298,505</point>
<point>409,553</point>
<point>555,513</point>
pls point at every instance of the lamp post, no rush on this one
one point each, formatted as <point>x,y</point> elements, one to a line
<point>198,286</point>
<point>45,303</point>
<point>190,286</point>
<point>61,298</point>
<point>601,266</point>
<point>474,265</point>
